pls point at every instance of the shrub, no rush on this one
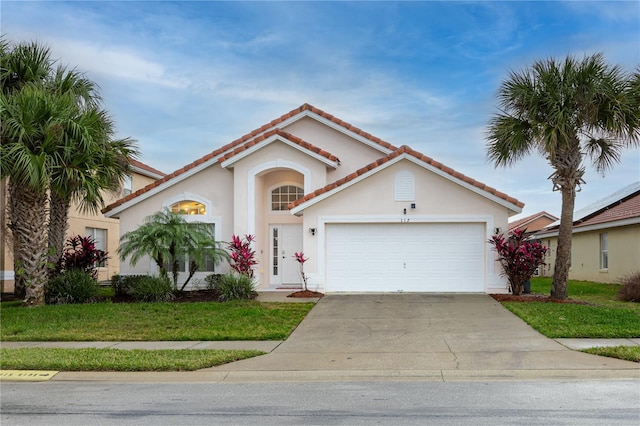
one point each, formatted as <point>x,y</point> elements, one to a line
<point>518,257</point>
<point>81,253</point>
<point>242,257</point>
<point>122,284</point>
<point>235,287</point>
<point>73,286</point>
<point>630,290</point>
<point>212,281</point>
<point>151,289</point>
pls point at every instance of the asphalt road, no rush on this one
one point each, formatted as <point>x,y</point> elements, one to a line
<point>411,403</point>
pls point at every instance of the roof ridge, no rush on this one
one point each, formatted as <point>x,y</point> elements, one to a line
<point>404,149</point>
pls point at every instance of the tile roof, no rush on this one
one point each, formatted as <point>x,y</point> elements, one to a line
<point>405,150</point>
<point>141,165</point>
<point>247,138</point>
<point>625,209</point>
<point>296,140</point>
<point>525,220</point>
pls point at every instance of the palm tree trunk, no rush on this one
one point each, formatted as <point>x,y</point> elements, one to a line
<point>563,253</point>
<point>58,224</point>
<point>28,216</point>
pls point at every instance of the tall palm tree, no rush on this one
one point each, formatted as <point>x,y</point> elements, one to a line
<point>91,162</point>
<point>167,237</point>
<point>56,140</point>
<point>566,111</point>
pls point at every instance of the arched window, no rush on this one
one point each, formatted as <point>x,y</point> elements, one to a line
<point>284,195</point>
<point>189,207</point>
<point>405,188</point>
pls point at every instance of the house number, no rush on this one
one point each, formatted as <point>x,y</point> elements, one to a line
<point>404,220</point>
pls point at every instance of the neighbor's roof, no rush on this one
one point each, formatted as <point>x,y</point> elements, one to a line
<point>618,209</point>
<point>372,167</point>
<point>520,223</point>
<point>144,169</point>
<point>248,139</point>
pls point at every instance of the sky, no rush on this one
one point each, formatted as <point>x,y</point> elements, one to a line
<point>184,78</point>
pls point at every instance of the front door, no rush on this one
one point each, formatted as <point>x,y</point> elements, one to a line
<point>285,241</point>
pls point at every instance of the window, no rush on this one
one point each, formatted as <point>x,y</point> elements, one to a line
<point>100,241</point>
<point>184,261</point>
<point>604,251</point>
<point>127,185</point>
<point>405,187</point>
<point>283,196</point>
<point>189,207</point>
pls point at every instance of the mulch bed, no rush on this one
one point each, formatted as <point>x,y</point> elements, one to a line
<point>532,298</point>
<point>306,294</point>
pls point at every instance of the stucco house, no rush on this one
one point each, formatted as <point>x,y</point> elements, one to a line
<point>370,216</point>
<point>606,238</point>
<point>533,223</point>
<point>104,230</point>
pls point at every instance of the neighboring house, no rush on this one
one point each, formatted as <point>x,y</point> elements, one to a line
<point>606,238</point>
<point>370,217</point>
<point>532,224</point>
<point>104,230</point>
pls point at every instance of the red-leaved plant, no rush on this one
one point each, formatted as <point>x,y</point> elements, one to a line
<point>518,257</point>
<point>242,255</point>
<point>81,253</point>
<point>301,259</point>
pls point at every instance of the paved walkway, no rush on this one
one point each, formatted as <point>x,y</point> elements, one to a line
<point>393,337</point>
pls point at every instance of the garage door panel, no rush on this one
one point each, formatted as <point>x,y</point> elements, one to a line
<point>432,257</point>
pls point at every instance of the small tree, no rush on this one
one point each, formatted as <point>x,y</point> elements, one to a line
<point>301,259</point>
<point>518,257</point>
<point>242,256</point>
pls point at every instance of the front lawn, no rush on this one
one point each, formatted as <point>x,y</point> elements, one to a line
<point>239,320</point>
<point>91,359</point>
<point>604,317</point>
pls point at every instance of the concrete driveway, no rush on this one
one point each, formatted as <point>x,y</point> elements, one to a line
<point>442,336</point>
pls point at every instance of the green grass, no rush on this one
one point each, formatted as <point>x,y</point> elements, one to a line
<point>605,318</point>
<point>239,320</point>
<point>629,353</point>
<point>92,359</point>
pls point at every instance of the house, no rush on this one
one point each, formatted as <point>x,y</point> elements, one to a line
<point>606,238</point>
<point>370,216</point>
<point>533,223</point>
<point>105,231</point>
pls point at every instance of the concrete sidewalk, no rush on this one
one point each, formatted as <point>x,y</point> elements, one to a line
<point>439,337</point>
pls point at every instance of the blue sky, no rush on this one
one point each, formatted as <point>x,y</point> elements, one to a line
<point>183,78</point>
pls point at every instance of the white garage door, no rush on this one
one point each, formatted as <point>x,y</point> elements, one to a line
<point>423,257</point>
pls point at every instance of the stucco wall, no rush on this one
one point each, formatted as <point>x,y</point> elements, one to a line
<point>212,184</point>
<point>624,254</point>
<point>353,155</point>
<point>436,199</point>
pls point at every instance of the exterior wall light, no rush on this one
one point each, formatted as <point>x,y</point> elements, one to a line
<point>312,231</point>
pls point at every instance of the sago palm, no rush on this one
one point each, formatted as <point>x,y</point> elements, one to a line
<point>566,111</point>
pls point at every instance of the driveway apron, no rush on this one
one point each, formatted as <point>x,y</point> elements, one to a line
<point>419,332</point>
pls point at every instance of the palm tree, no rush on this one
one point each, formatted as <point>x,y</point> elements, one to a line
<point>566,111</point>
<point>90,163</point>
<point>56,140</point>
<point>167,237</point>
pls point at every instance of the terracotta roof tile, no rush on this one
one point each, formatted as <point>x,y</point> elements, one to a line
<point>146,167</point>
<point>627,209</point>
<point>402,150</point>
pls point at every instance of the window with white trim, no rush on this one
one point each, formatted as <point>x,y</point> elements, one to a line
<point>189,207</point>
<point>184,261</point>
<point>284,195</point>
<point>405,186</point>
<point>99,241</point>
<point>127,185</point>
<point>604,251</point>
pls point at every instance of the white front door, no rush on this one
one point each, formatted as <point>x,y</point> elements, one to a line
<point>285,241</point>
